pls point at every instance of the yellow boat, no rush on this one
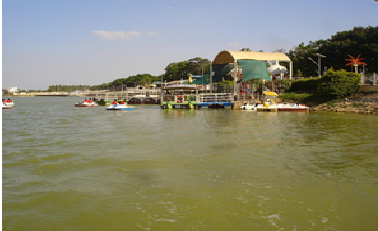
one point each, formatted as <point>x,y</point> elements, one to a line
<point>269,102</point>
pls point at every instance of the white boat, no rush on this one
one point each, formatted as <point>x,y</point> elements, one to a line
<point>266,106</point>
<point>9,104</point>
<point>248,106</point>
<point>6,107</point>
<point>292,107</point>
<point>119,107</point>
<point>84,104</point>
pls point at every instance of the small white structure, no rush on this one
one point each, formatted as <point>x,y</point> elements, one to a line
<point>277,70</point>
<point>12,89</point>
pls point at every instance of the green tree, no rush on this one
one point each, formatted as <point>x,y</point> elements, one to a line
<point>338,84</point>
<point>357,41</point>
<point>180,70</point>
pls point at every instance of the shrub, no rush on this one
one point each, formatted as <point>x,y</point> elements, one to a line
<point>305,85</point>
<point>338,84</point>
<point>286,84</point>
<point>292,97</point>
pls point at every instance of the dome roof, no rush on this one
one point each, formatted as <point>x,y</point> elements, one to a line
<point>276,69</point>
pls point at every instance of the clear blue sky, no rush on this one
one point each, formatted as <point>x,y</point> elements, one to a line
<point>92,42</point>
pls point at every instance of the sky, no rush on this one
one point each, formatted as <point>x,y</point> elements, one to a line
<point>90,42</point>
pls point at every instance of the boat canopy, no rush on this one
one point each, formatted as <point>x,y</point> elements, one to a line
<point>270,93</point>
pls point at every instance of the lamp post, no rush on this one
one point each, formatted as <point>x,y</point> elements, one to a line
<point>319,64</point>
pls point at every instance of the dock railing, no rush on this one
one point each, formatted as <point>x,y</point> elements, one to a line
<point>129,94</point>
<point>216,97</point>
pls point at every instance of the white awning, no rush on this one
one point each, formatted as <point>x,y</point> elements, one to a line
<point>224,57</point>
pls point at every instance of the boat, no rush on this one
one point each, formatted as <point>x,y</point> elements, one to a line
<point>107,102</point>
<point>269,102</point>
<point>119,107</point>
<point>292,107</point>
<point>86,104</point>
<point>6,107</point>
<point>9,103</point>
<point>267,106</point>
<point>94,104</point>
<point>179,96</point>
<point>248,106</point>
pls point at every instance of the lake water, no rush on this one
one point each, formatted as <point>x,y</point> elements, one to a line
<point>67,168</point>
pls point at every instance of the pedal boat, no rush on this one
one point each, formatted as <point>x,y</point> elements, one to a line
<point>119,107</point>
<point>292,107</point>
<point>266,106</point>
<point>248,106</point>
<point>84,104</point>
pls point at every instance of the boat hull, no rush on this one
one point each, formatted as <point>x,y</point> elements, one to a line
<point>86,104</point>
<point>12,104</point>
<point>83,105</point>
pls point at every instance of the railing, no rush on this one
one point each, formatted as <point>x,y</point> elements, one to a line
<point>217,97</point>
<point>369,79</point>
<point>129,94</point>
<point>172,98</point>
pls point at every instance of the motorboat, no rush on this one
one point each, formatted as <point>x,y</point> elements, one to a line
<point>248,106</point>
<point>292,107</point>
<point>119,107</point>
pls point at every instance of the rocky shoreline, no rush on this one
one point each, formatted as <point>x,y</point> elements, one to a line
<point>359,104</point>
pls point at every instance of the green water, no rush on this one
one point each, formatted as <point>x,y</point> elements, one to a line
<point>67,168</point>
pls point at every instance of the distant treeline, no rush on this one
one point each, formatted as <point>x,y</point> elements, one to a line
<point>174,71</point>
<point>68,88</point>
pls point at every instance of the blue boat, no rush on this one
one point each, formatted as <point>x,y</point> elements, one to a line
<point>119,107</point>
